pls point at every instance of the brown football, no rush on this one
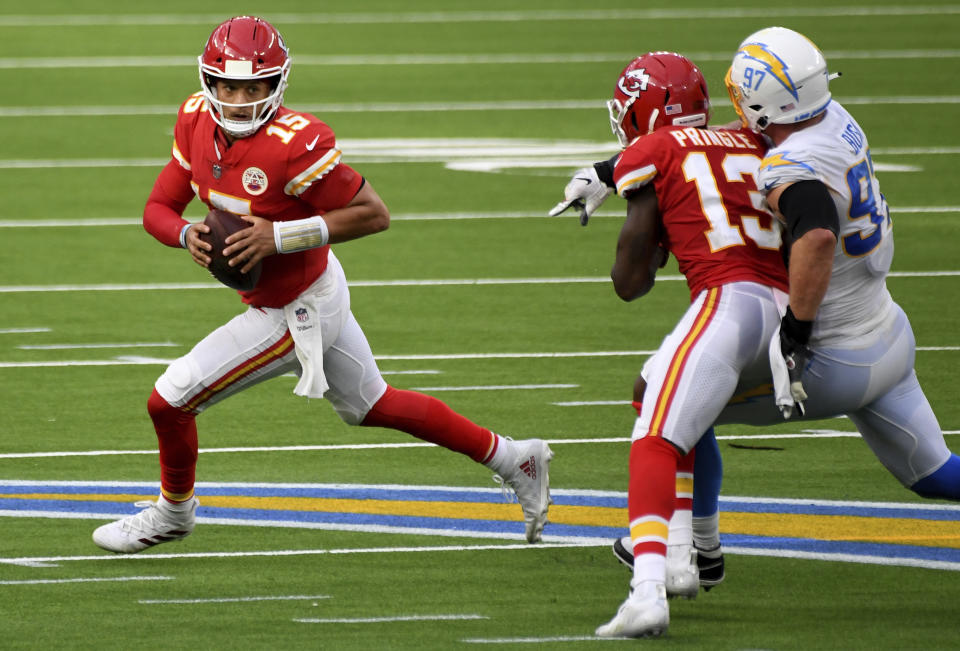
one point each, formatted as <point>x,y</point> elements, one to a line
<point>223,224</point>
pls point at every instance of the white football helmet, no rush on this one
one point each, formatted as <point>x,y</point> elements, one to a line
<point>778,76</point>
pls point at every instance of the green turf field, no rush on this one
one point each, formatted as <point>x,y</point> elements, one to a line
<point>468,119</point>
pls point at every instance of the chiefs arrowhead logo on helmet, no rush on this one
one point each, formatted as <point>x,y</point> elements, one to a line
<point>633,82</point>
<point>654,90</point>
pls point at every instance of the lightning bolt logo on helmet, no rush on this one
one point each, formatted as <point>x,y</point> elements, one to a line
<point>771,63</point>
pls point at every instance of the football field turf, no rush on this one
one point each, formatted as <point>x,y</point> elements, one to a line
<point>468,119</point>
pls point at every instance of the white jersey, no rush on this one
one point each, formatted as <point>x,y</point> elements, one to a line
<point>835,152</point>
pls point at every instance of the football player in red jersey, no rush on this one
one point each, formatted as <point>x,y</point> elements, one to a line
<point>691,192</point>
<point>237,148</point>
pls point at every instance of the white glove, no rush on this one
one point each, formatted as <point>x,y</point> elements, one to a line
<point>585,192</point>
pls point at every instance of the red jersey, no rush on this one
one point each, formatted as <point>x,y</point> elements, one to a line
<point>289,169</point>
<point>709,203</point>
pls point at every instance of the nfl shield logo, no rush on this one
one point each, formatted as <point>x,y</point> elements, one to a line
<point>301,314</point>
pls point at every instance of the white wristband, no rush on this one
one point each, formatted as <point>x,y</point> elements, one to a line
<point>300,234</point>
<point>183,235</point>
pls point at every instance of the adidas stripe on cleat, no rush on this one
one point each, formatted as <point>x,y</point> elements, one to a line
<point>527,472</point>
<point>154,525</point>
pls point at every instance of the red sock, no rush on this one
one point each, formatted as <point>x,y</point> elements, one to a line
<point>651,496</point>
<point>177,438</point>
<point>431,420</point>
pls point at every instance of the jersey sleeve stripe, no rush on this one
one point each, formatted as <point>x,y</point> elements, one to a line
<point>299,184</point>
<point>636,179</point>
<point>184,163</point>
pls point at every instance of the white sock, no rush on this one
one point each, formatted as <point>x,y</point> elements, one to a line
<point>649,567</point>
<point>175,507</point>
<point>681,528</point>
<point>503,454</point>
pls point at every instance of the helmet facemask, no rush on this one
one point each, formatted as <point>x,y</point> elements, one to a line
<point>263,110</point>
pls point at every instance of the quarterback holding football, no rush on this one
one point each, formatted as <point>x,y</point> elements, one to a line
<point>238,149</point>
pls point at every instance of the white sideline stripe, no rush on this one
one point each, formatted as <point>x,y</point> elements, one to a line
<point>17,331</point>
<point>825,434</point>
<point>362,18</point>
<point>446,216</point>
<point>448,282</point>
<point>231,600</point>
<point>500,387</point>
<point>90,580</point>
<point>845,558</point>
<point>381,620</point>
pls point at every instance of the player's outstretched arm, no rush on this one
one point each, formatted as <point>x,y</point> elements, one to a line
<point>588,189</point>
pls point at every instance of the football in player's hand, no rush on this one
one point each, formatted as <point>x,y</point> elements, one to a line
<point>223,224</point>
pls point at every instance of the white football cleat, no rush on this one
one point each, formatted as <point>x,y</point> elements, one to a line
<point>645,613</point>
<point>683,569</point>
<point>151,526</point>
<point>683,574</point>
<point>528,474</point>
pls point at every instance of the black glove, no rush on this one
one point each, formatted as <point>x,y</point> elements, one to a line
<point>794,335</point>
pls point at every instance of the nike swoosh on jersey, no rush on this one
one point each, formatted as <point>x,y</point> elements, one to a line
<point>585,179</point>
<point>313,143</point>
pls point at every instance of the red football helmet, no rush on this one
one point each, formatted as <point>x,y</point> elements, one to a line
<point>654,90</point>
<point>243,48</point>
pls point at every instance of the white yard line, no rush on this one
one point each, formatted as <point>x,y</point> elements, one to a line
<point>448,17</point>
<point>383,620</point>
<point>540,640</point>
<point>89,580</point>
<point>438,216</point>
<point>498,387</point>
<point>436,282</point>
<point>233,600</point>
<point>157,344</point>
<point>808,434</point>
<point>52,111</point>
